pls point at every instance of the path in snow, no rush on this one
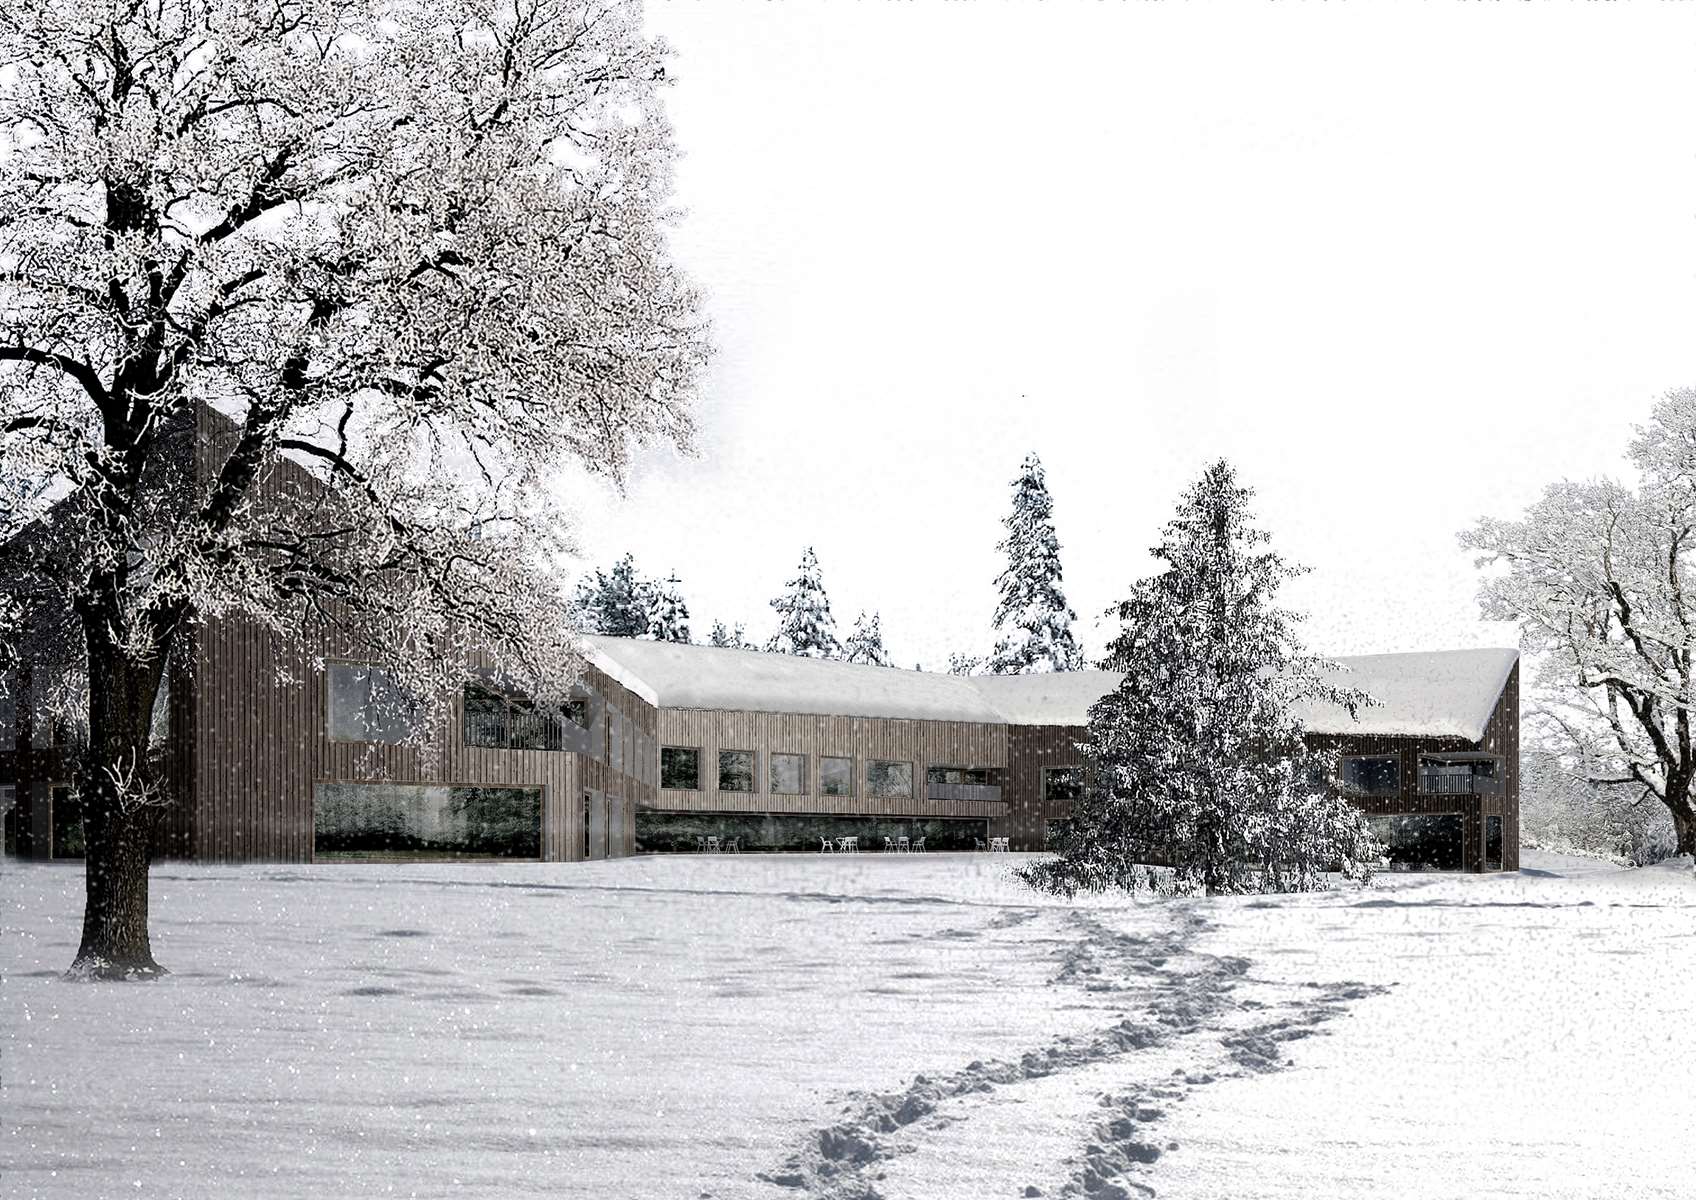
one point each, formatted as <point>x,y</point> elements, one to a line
<point>1189,1019</point>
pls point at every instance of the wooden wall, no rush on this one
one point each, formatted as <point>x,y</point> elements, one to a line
<point>259,745</point>
<point>1501,736</point>
<point>1031,749</point>
<point>922,743</point>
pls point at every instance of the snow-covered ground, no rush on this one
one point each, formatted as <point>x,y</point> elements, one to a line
<point>914,1026</point>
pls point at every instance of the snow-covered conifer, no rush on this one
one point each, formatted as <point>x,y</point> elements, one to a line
<point>619,602</point>
<point>964,664</point>
<point>734,638</point>
<point>1195,761</point>
<point>668,615</point>
<point>865,643</point>
<point>804,625</point>
<point>1033,622</point>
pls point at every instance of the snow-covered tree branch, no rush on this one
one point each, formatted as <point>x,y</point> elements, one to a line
<point>397,264</point>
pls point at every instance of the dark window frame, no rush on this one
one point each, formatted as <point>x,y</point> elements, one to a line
<point>753,772</point>
<point>691,750</point>
<point>1075,787</point>
<point>771,772</point>
<point>1349,789</point>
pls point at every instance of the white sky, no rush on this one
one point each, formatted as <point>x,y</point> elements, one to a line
<point>1402,263</point>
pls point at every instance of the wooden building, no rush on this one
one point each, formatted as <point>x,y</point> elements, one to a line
<point>667,745</point>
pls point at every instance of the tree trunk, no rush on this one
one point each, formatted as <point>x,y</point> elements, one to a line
<point>1684,826</point>
<point>120,806</point>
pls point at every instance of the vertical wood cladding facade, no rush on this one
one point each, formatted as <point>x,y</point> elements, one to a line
<point>261,744</point>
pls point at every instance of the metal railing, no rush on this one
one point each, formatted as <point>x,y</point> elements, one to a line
<point>964,791</point>
<point>1431,783</point>
<point>515,730</point>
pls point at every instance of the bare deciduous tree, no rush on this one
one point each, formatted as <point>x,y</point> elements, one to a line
<point>1598,577</point>
<point>413,254</point>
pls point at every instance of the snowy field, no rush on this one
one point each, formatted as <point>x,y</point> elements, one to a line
<point>913,1027</point>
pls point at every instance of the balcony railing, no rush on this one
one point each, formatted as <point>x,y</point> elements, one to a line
<point>964,791</point>
<point>1433,784</point>
<point>515,731</point>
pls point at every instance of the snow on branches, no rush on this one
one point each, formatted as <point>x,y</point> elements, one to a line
<point>1033,622</point>
<point>1598,577</point>
<point>1195,761</point>
<point>804,624</point>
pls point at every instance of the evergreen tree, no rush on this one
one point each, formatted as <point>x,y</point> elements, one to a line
<point>1195,760</point>
<point>617,602</point>
<point>805,626</point>
<point>1033,622</point>
<point>865,644</point>
<point>964,664</point>
<point>730,639</point>
<point>668,615</point>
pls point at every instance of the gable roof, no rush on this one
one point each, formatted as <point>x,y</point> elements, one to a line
<point>1433,693</point>
<point>1438,693</point>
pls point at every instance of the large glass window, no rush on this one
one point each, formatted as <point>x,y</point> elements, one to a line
<point>788,774</point>
<point>735,770</point>
<point>366,705</point>
<point>411,820</point>
<point>680,768</point>
<point>836,776</point>
<point>1420,841</point>
<point>1062,783</point>
<point>1372,774</point>
<point>893,780</point>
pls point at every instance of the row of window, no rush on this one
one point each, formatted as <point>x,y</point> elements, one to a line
<point>680,769</point>
<point>1462,774</point>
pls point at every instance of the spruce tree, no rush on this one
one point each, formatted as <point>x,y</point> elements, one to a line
<point>668,615</point>
<point>805,626</point>
<point>730,639</point>
<point>616,602</point>
<point>865,644</point>
<point>1195,760</point>
<point>1033,622</point>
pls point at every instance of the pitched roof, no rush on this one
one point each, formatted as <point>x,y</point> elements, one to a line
<point>1433,693</point>
<point>1439,693</point>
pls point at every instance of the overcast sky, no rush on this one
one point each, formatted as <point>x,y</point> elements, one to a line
<point>1403,264</point>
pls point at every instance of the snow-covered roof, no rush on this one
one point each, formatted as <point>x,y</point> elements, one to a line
<point>1433,693</point>
<point>685,676</point>
<point>1049,698</point>
<point>1438,693</point>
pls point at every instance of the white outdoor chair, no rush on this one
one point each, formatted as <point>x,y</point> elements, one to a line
<point>919,846</point>
<point>824,845</point>
<point>701,843</point>
<point>712,844</point>
<point>853,845</point>
<point>889,845</point>
<point>733,846</point>
<point>979,842</point>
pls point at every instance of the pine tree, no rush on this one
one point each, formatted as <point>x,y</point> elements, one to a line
<point>1033,622</point>
<point>865,644</point>
<point>730,639</point>
<point>964,664</point>
<point>805,626</point>
<point>1195,760</point>
<point>668,615</point>
<point>617,602</point>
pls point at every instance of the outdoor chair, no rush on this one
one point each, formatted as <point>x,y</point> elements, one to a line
<point>733,846</point>
<point>824,845</point>
<point>712,844</point>
<point>903,844</point>
<point>919,846</point>
<point>979,842</point>
<point>701,843</point>
<point>889,845</point>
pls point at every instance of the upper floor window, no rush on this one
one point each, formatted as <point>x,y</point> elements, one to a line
<point>496,719</point>
<point>680,768</point>
<point>979,776</point>
<point>889,779</point>
<point>366,705</point>
<point>735,770</point>
<point>1372,774</point>
<point>836,776</point>
<point>1463,774</point>
<point>788,774</point>
<point>1062,783</point>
